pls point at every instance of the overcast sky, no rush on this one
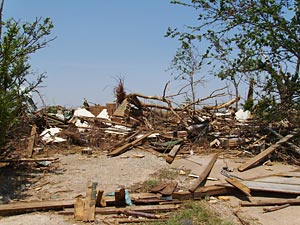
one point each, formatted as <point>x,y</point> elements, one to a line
<point>98,41</point>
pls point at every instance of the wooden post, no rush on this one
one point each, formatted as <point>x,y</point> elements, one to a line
<point>31,141</point>
<point>120,198</point>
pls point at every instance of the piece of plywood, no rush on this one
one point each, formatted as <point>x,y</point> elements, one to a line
<point>204,174</point>
<point>79,209</point>
<point>256,159</point>
<point>270,187</point>
<point>280,180</point>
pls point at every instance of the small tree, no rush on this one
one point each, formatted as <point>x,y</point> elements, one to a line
<point>17,42</point>
<point>186,65</point>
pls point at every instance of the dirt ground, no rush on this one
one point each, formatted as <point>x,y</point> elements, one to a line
<point>68,177</point>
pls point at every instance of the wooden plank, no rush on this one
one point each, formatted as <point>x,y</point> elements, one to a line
<point>124,148</point>
<point>31,141</point>
<point>236,183</point>
<point>270,202</point>
<point>171,156</point>
<point>204,174</point>
<point>140,208</point>
<point>289,174</point>
<point>256,159</point>
<point>29,160</point>
<point>169,189</point>
<point>120,200</point>
<point>201,192</point>
<point>24,207</point>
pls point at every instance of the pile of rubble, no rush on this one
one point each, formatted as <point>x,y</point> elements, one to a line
<point>162,129</point>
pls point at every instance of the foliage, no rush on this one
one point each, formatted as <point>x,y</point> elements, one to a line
<point>195,212</point>
<point>249,38</point>
<point>186,65</point>
<point>119,90</point>
<point>18,41</point>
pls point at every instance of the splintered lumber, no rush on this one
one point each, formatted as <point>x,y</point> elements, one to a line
<point>140,208</point>
<point>201,192</point>
<point>120,200</point>
<point>171,156</point>
<point>204,174</point>
<point>130,138</point>
<point>271,202</point>
<point>31,141</point>
<point>236,183</point>
<point>24,207</point>
<point>90,203</point>
<point>275,208</point>
<point>124,148</point>
<point>264,153</point>
<point>158,188</point>
<point>169,189</point>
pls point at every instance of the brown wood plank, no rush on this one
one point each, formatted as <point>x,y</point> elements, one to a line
<point>264,153</point>
<point>204,174</point>
<point>31,141</point>
<point>236,183</point>
<point>270,202</point>
<point>171,156</point>
<point>141,208</point>
<point>23,207</point>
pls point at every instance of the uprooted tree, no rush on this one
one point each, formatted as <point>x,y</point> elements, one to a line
<point>251,40</point>
<point>18,40</point>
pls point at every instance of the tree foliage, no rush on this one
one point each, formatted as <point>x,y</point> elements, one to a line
<point>250,38</point>
<point>18,41</point>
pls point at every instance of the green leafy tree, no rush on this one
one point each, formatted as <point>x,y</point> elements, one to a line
<point>18,40</point>
<point>186,65</point>
<point>251,39</point>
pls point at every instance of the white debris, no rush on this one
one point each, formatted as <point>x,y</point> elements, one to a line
<point>81,125</point>
<point>242,115</point>
<point>103,114</point>
<point>80,112</point>
<point>48,135</point>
